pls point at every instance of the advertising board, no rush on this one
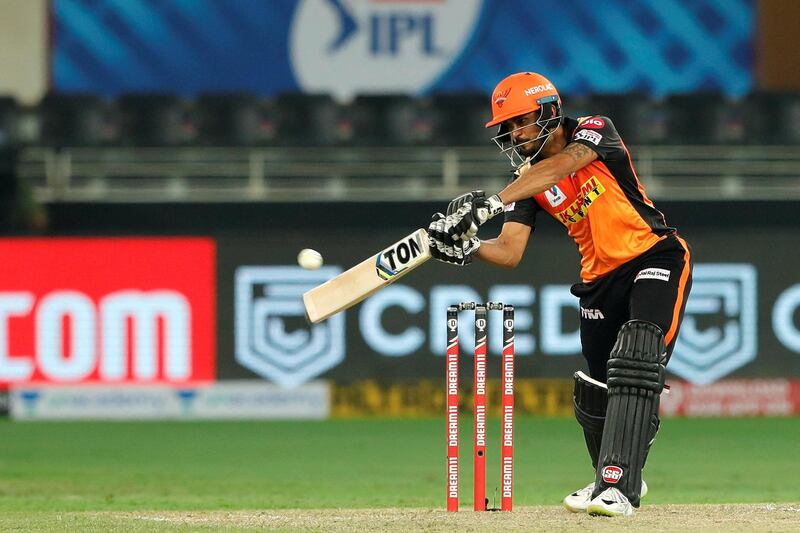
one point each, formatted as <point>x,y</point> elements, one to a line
<point>107,310</point>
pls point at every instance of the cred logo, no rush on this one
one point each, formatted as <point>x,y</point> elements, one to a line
<point>612,474</point>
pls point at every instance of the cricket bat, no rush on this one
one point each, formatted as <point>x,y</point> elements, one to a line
<point>367,277</point>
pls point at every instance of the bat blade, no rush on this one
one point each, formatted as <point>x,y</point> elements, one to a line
<point>368,277</point>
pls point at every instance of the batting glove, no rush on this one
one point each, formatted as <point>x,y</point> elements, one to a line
<point>459,201</point>
<point>442,246</point>
<point>464,223</point>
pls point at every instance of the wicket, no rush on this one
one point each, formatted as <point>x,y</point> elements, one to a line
<point>480,502</point>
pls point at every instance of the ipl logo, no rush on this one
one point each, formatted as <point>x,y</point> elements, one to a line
<point>718,334</point>
<point>272,338</point>
<point>349,46</point>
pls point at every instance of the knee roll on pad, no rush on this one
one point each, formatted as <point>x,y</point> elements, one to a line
<point>590,399</point>
<point>636,359</point>
<point>635,381</point>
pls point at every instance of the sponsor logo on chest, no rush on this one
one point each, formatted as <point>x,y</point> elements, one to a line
<point>589,191</point>
<point>555,196</point>
<point>589,135</point>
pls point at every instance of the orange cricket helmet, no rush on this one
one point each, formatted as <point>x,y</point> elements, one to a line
<point>520,94</point>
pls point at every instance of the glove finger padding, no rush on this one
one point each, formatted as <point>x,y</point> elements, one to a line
<point>459,201</point>
<point>461,224</point>
<point>437,230</point>
<point>461,257</point>
<point>464,223</point>
<point>440,241</point>
<point>444,248</point>
<point>471,246</point>
<point>464,250</point>
<point>433,245</point>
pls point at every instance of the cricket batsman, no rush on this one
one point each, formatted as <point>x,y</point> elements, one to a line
<point>636,272</point>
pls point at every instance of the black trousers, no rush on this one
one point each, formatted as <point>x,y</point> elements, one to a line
<point>652,287</point>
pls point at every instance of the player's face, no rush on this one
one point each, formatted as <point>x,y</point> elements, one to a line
<point>523,132</point>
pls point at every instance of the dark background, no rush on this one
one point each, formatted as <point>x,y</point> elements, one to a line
<point>764,234</point>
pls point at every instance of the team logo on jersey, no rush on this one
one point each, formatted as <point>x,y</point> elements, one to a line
<point>589,135</point>
<point>589,192</point>
<point>593,122</point>
<point>555,196</point>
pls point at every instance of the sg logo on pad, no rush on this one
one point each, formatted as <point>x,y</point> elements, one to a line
<point>272,337</point>
<point>719,330</point>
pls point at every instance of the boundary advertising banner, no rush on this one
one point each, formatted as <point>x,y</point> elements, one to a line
<point>107,310</point>
<point>400,46</point>
<point>741,318</point>
<point>248,400</point>
<point>553,397</point>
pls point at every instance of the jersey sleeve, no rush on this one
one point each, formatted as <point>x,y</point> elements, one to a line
<point>523,211</point>
<point>599,134</point>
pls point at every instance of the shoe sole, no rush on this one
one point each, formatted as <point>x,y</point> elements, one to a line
<point>573,509</point>
<point>599,510</point>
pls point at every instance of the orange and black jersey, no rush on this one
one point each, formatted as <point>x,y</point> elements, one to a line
<point>603,205</point>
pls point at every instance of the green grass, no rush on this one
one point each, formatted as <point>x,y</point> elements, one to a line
<point>105,466</point>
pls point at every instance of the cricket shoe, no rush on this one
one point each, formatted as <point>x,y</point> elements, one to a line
<point>578,501</point>
<point>610,502</point>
